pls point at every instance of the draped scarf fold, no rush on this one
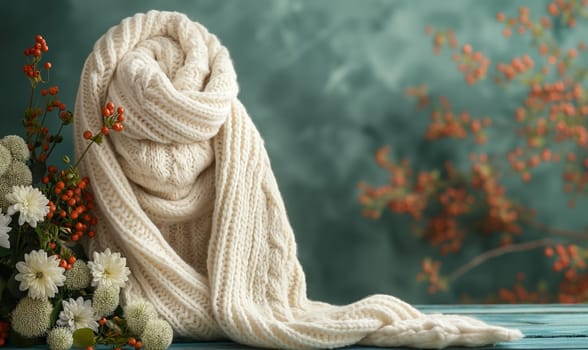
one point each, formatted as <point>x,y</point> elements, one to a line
<point>187,194</point>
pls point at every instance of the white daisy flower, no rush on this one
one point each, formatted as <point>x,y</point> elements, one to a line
<point>30,202</point>
<point>40,274</point>
<point>4,229</point>
<point>77,314</point>
<point>109,269</point>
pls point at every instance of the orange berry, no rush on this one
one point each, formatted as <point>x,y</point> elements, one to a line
<point>526,176</point>
<point>132,341</point>
<point>87,134</point>
<point>138,345</point>
<point>106,112</point>
<point>105,130</point>
<point>117,127</point>
<point>553,10</point>
<point>72,259</point>
<point>467,49</point>
<point>110,106</point>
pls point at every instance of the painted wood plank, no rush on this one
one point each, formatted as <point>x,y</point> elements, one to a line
<point>545,327</point>
<point>505,309</point>
<point>524,344</point>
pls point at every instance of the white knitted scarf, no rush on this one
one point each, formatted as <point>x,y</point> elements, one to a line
<point>187,194</point>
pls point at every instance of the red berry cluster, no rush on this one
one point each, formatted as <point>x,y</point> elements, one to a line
<point>501,214</point>
<point>516,67</point>
<point>38,136</point>
<point>35,52</point>
<point>111,328</point>
<point>113,120</point>
<point>520,294</point>
<point>567,11</point>
<point>397,195</point>
<point>574,289</point>
<point>449,198</point>
<point>552,119</point>
<point>442,38</point>
<point>39,47</point>
<point>70,206</point>
<point>430,275</point>
<point>445,123</point>
<point>473,64</point>
<point>4,328</point>
<point>137,344</point>
<point>569,259</point>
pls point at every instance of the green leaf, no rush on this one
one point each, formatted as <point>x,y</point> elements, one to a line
<point>56,310</point>
<point>83,338</point>
<point>97,139</point>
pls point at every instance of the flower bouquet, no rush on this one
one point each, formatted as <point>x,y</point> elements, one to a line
<point>49,290</point>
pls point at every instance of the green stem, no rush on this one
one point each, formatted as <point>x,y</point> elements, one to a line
<point>31,97</point>
<point>83,154</point>
<point>54,143</point>
<point>16,250</point>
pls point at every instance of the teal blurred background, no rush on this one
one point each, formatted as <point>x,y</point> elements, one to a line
<point>324,82</point>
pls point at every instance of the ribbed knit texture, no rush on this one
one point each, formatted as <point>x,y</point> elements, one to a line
<point>187,194</point>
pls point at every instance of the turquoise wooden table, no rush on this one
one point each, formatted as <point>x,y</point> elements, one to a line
<point>544,326</point>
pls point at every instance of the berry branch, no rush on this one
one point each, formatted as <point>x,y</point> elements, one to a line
<point>454,205</point>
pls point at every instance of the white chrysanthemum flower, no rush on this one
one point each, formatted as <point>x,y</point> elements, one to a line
<point>109,269</point>
<point>77,314</point>
<point>40,274</point>
<point>29,202</point>
<point>4,229</point>
<point>137,314</point>
<point>16,174</point>
<point>105,300</point>
<point>31,317</point>
<point>78,277</point>
<point>158,335</point>
<point>60,338</point>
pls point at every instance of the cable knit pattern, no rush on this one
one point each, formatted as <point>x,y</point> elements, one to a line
<point>187,194</point>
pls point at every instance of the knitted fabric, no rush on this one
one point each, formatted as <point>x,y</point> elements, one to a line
<point>187,194</point>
